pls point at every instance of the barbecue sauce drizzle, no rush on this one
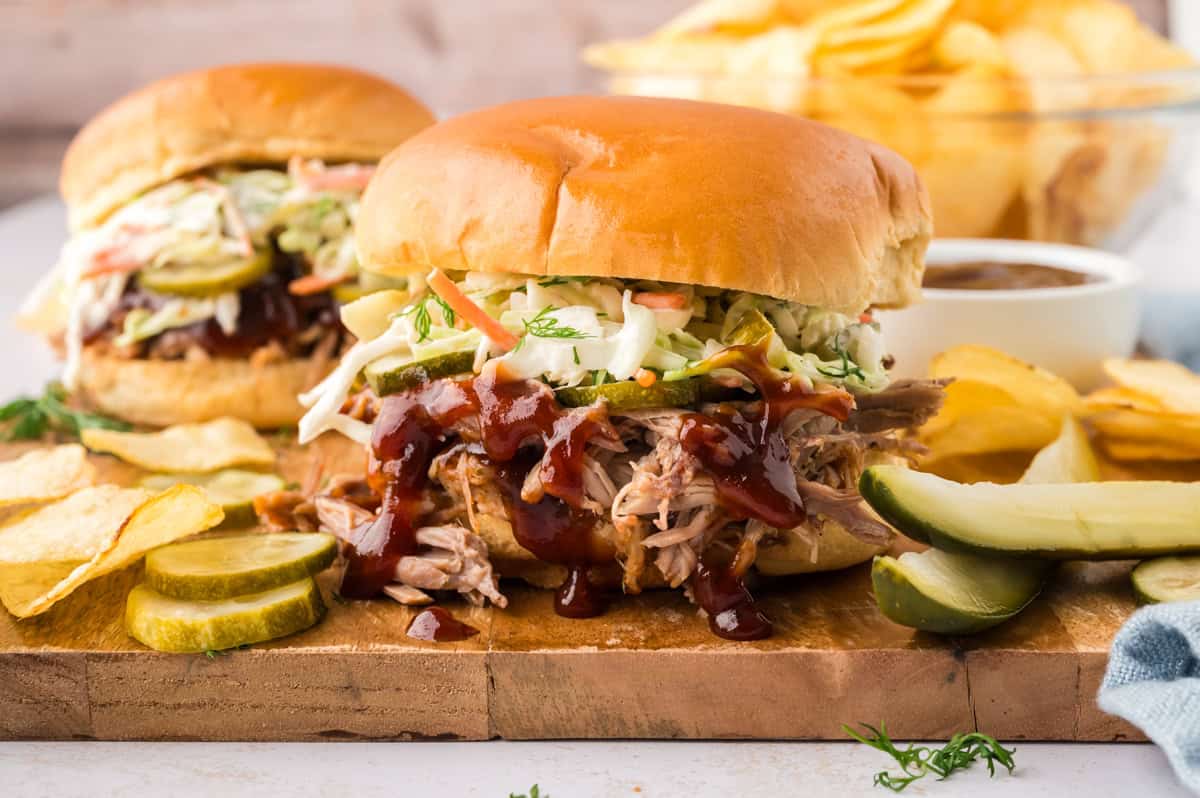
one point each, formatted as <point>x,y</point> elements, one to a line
<point>523,428</point>
<point>745,453</point>
<point>515,418</point>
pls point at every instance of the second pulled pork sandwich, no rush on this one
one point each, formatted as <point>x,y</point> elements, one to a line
<point>638,350</point>
<point>212,219</point>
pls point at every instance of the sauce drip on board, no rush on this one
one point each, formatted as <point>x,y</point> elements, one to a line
<point>746,454</point>
<point>439,626</point>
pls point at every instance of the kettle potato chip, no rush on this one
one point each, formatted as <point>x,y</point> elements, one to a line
<point>47,553</point>
<point>186,448</point>
<point>45,474</point>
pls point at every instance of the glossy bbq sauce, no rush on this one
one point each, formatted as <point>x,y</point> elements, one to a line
<point>522,427</point>
<point>439,626</point>
<point>745,453</point>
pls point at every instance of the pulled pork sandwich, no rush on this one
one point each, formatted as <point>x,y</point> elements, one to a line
<point>212,218</point>
<point>638,351</point>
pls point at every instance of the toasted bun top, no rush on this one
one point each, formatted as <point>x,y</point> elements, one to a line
<point>656,189</point>
<point>262,113</point>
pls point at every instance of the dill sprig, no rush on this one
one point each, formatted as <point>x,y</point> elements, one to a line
<point>848,368</point>
<point>543,325</point>
<point>534,792</point>
<point>29,418</point>
<point>422,321</point>
<point>918,761</point>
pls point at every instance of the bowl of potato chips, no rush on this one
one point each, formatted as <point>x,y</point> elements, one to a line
<point>1065,121</point>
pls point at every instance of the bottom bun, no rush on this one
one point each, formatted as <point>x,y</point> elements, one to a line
<point>836,549</point>
<point>164,392</point>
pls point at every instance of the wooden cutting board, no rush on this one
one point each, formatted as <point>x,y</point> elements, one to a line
<point>649,668</point>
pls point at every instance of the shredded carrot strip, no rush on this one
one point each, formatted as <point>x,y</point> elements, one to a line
<point>865,318</point>
<point>314,283</point>
<point>660,300</point>
<point>467,310</point>
<point>315,178</point>
<point>645,377</point>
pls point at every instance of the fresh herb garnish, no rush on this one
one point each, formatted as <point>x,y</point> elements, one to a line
<point>575,354</point>
<point>448,314</point>
<point>847,369</point>
<point>918,761</point>
<point>422,322</point>
<point>534,792</point>
<point>553,281</point>
<point>33,418</point>
<point>544,325</point>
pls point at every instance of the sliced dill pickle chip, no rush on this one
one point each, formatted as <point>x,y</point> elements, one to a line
<point>399,373</point>
<point>628,395</point>
<point>232,488</point>
<point>751,328</point>
<point>201,280</point>
<point>223,567</point>
<point>1167,579</point>
<point>170,624</point>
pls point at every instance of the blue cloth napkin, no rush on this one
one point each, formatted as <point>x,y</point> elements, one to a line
<point>1153,681</point>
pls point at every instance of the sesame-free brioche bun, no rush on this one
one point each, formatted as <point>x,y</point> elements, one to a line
<point>249,113</point>
<point>160,393</point>
<point>656,189</point>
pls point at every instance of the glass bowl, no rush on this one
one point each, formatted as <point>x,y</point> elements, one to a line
<point>1080,160</point>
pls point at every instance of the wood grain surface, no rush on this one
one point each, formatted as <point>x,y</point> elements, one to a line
<point>649,668</point>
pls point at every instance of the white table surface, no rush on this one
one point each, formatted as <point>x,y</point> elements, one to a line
<point>31,234</point>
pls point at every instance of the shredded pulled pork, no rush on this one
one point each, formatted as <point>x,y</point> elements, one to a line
<point>656,503</point>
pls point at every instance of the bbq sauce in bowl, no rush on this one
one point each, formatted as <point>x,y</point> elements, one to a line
<point>998,276</point>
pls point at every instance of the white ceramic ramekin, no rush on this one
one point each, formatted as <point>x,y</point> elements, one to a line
<point>1066,330</point>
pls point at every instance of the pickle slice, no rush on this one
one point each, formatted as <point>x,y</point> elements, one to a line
<point>220,568</point>
<point>751,328</point>
<point>399,373</point>
<point>201,280</point>
<point>628,395</point>
<point>1167,579</point>
<point>169,624</point>
<point>232,488</point>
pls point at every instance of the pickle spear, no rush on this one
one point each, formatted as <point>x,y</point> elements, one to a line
<point>232,488</point>
<point>398,373</point>
<point>936,591</point>
<point>202,280</point>
<point>169,624</point>
<point>224,567</point>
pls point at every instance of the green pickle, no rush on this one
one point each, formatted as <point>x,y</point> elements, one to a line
<point>398,373</point>
<point>628,395</point>
<point>232,488</point>
<point>205,280</point>
<point>169,624</point>
<point>212,569</point>
<point>750,329</point>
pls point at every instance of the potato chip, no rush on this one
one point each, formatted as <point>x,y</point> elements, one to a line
<point>43,475</point>
<point>725,16</point>
<point>1182,431</point>
<point>47,553</point>
<point>1033,387</point>
<point>964,44</point>
<point>992,429</point>
<point>1129,451</point>
<point>1173,386</point>
<point>187,448</point>
<point>1121,399</point>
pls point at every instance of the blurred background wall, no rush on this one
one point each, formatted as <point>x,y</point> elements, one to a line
<point>63,60</point>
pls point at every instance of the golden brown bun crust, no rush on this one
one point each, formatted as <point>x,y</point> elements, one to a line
<point>656,189</point>
<point>262,113</point>
<point>160,393</point>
